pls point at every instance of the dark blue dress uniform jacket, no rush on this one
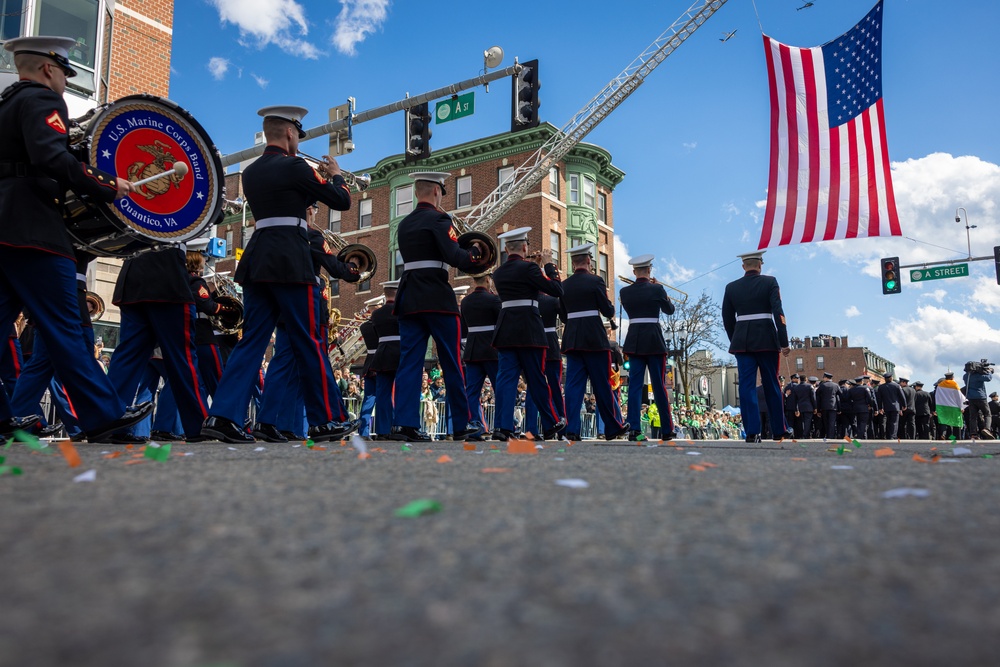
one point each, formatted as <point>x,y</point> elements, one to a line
<point>516,280</point>
<point>891,397</point>
<point>828,396</point>
<point>426,234</point>
<point>859,400</point>
<point>370,337</point>
<point>480,308</point>
<point>207,306</point>
<point>548,308</point>
<point>585,291</point>
<point>324,259</point>
<point>751,295</point>
<point>36,170</point>
<point>386,324</point>
<point>641,300</point>
<point>805,397</point>
<point>280,185</point>
<point>160,276</point>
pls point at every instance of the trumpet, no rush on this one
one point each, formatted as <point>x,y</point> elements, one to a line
<point>359,182</point>
<point>233,206</point>
<point>679,299</point>
<point>95,306</point>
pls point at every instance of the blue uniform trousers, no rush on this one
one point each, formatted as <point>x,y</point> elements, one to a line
<point>171,326</point>
<point>553,373</point>
<point>657,365</point>
<point>11,363</point>
<point>298,307</point>
<point>748,363</point>
<point>282,404</point>
<point>529,360</point>
<point>384,407</point>
<point>414,332</point>
<point>210,367</point>
<point>36,375</point>
<point>596,366</point>
<point>167,417</point>
<point>476,373</point>
<point>45,284</point>
<point>367,406</point>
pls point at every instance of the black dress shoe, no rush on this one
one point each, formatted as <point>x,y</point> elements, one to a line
<point>291,436</point>
<point>51,431</point>
<point>554,430</point>
<point>408,434</point>
<point>125,439</point>
<point>668,436</point>
<point>787,435</point>
<point>78,437</point>
<point>333,430</point>
<point>268,433</point>
<point>572,437</point>
<point>753,438</point>
<point>165,436</point>
<point>503,435</point>
<point>467,433</point>
<point>617,434</point>
<point>133,415</point>
<point>224,430</point>
<point>195,438</point>
<point>8,426</point>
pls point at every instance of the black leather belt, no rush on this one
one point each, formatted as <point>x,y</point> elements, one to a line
<point>10,169</point>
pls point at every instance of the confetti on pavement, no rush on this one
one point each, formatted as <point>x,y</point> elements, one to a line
<point>494,471</point>
<point>842,467</point>
<point>904,492</point>
<point>961,450</point>
<point>515,446</point>
<point>573,483</point>
<point>418,508</point>
<point>260,449</point>
<point>885,451</point>
<point>444,459</point>
<point>69,453</point>
<point>10,470</point>
<point>157,452</point>
<point>88,476</point>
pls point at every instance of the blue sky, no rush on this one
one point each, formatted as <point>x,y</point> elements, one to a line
<point>693,140</point>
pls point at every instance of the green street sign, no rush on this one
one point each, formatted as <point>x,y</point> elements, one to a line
<point>939,272</point>
<point>456,107</point>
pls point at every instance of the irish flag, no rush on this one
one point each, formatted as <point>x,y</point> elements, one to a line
<point>949,403</point>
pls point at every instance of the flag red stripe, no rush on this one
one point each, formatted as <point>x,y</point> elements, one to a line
<point>873,220</point>
<point>791,201</point>
<point>833,203</point>
<point>890,198</point>
<point>812,116</point>
<point>852,192</point>
<point>772,178</point>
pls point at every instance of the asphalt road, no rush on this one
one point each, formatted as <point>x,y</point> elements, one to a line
<point>290,556</point>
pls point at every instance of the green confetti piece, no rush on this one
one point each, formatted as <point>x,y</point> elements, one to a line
<point>419,508</point>
<point>840,450</point>
<point>31,441</point>
<point>494,451</point>
<point>2,459</point>
<point>8,443</point>
<point>952,438</point>
<point>560,450</point>
<point>987,456</point>
<point>405,448</point>
<point>804,446</point>
<point>9,470</point>
<point>856,444</point>
<point>160,453</point>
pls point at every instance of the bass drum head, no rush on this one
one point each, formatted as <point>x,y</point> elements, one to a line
<point>141,136</point>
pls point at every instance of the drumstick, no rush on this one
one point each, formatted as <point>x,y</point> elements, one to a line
<point>179,168</point>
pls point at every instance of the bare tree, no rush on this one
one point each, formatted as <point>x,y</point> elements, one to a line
<point>694,326</point>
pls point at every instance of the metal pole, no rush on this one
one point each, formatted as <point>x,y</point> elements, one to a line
<point>968,238</point>
<point>378,112</point>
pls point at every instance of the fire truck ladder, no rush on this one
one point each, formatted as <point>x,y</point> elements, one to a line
<point>535,168</point>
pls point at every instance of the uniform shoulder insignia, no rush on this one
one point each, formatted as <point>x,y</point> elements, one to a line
<point>319,177</point>
<point>55,122</point>
<point>203,292</point>
<point>452,234</point>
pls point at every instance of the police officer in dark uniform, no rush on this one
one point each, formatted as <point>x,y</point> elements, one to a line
<point>480,312</point>
<point>279,281</point>
<point>755,323</point>
<point>37,262</point>
<point>862,405</point>
<point>893,401</point>
<point>520,336</point>
<point>585,344</point>
<point>908,420</point>
<point>427,308</point>
<point>644,300</point>
<point>791,402</point>
<point>386,361</point>
<point>805,406</point>
<point>828,403</point>
<point>923,408</point>
<point>877,426</point>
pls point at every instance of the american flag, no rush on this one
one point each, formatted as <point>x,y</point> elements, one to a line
<point>829,175</point>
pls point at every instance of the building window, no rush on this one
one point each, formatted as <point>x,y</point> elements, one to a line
<point>554,182</point>
<point>397,266</point>
<point>799,364</point>
<point>365,286</point>
<point>505,178</point>
<point>365,214</point>
<point>229,242</point>
<point>555,242</point>
<point>463,192</point>
<point>602,208</point>
<point>820,363</point>
<point>602,267</point>
<point>589,192</point>
<point>404,200</point>
<point>77,19</point>
<point>574,189</point>
<point>334,287</point>
<point>11,13</point>
<point>333,224</point>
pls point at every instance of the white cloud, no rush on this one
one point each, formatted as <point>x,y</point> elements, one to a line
<point>937,295</point>
<point>218,67</point>
<point>673,273</point>
<point>263,22</point>
<point>357,20</point>
<point>690,145</point>
<point>852,312</point>
<point>261,81</point>
<point>986,295</point>
<point>934,339</point>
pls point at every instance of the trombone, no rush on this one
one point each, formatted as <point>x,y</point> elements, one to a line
<point>682,299</point>
<point>360,182</point>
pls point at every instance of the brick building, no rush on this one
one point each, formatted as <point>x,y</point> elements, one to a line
<point>815,355</point>
<point>574,205</point>
<point>123,48</point>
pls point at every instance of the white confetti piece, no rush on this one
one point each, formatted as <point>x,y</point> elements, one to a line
<point>559,458</point>
<point>105,452</point>
<point>188,454</point>
<point>842,467</point>
<point>260,449</point>
<point>694,453</point>
<point>296,446</point>
<point>539,446</point>
<point>949,461</point>
<point>88,476</point>
<point>573,483</point>
<point>961,450</point>
<point>232,449</point>
<point>359,443</point>
<point>904,492</point>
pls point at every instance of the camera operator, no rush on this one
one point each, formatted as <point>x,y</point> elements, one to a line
<point>977,374</point>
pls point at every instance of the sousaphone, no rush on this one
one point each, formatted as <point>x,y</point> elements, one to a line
<point>487,250</point>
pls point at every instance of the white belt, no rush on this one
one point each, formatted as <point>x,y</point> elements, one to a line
<point>371,351</point>
<point>286,221</point>
<point>463,340</point>
<point>482,329</point>
<point>81,277</point>
<point>520,303</point>
<point>425,264</point>
<point>203,316</point>
<point>387,339</point>
<point>550,329</point>
<point>583,313</point>
<point>644,320</point>
<point>755,316</point>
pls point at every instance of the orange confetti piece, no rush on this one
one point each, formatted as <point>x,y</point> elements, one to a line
<point>129,446</point>
<point>885,451</point>
<point>710,465</point>
<point>70,453</point>
<point>343,443</point>
<point>799,459</point>
<point>318,448</point>
<point>112,455</point>
<point>140,455</point>
<point>494,447</point>
<point>919,459</point>
<point>469,448</point>
<point>444,459</point>
<point>521,447</point>
<point>364,456</point>
<point>428,451</point>
<point>933,449</point>
<point>136,462</point>
<point>699,468</point>
<point>494,470</point>
<point>377,449</point>
<point>529,436</point>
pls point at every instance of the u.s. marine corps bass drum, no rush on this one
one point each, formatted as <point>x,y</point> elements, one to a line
<point>156,144</point>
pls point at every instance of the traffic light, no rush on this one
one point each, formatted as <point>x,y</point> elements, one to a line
<point>892,282</point>
<point>996,261</point>
<point>524,97</point>
<point>418,133</point>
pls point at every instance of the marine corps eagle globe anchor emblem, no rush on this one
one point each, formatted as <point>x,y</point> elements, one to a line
<point>160,152</point>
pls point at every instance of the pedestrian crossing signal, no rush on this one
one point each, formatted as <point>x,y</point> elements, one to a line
<point>891,280</point>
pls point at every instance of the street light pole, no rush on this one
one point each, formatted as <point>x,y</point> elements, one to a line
<point>958,219</point>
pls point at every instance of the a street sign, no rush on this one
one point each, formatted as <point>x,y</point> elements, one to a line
<point>939,272</point>
<point>455,107</point>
